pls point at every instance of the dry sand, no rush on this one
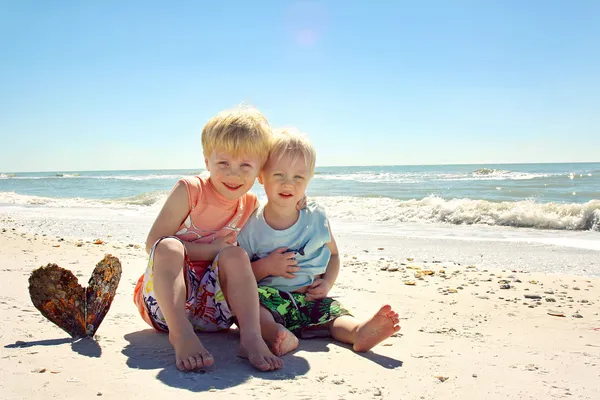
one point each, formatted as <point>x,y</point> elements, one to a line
<point>462,336</point>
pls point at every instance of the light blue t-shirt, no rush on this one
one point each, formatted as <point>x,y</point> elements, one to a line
<point>307,237</point>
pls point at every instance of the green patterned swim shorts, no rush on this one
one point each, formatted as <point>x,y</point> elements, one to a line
<point>306,319</point>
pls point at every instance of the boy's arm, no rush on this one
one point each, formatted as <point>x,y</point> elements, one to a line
<point>260,268</point>
<point>170,217</point>
<point>321,286</point>
<point>279,262</point>
<point>333,267</point>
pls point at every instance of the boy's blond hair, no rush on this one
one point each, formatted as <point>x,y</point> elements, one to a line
<point>241,131</point>
<point>290,141</point>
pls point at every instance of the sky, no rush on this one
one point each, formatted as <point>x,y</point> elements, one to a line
<point>103,85</point>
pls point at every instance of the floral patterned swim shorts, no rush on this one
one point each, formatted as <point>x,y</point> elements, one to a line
<point>205,304</point>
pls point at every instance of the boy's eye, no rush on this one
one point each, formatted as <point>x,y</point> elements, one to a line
<point>298,177</point>
<point>222,163</point>
<point>278,174</point>
<point>246,165</point>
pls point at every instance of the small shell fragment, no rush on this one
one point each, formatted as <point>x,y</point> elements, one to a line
<point>556,313</point>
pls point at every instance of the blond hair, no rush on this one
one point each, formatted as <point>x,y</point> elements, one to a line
<point>241,131</point>
<point>290,141</point>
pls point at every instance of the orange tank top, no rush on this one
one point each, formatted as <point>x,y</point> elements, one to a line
<point>211,215</point>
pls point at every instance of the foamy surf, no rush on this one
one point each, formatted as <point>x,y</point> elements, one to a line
<point>431,209</point>
<point>434,209</point>
<point>155,198</point>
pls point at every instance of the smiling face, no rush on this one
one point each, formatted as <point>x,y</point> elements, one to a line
<point>285,179</point>
<point>232,175</point>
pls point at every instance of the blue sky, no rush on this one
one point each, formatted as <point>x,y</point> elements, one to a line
<point>129,85</point>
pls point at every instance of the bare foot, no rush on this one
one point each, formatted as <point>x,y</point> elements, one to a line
<point>285,341</point>
<point>190,354</point>
<point>379,327</point>
<point>257,352</point>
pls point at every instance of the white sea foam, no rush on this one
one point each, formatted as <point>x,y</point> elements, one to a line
<point>526,213</point>
<point>137,177</point>
<point>99,177</point>
<point>143,200</point>
<point>482,174</point>
<point>431,209</point>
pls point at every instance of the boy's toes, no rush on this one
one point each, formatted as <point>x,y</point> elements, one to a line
<point>195,362</point>
<point>261,364</point>
<point>278,363</point>
<point>184,364</point>
<point>206,358</point>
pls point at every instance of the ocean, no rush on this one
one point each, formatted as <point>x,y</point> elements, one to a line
<point>539,196</point>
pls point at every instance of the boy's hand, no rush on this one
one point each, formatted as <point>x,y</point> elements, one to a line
<point>225,241</point>
<point>318,289</point>
<point>282,263</point>
<point>301,205</point>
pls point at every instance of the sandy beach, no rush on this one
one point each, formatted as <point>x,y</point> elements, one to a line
<point>453,158</point>
<point>474,326</point>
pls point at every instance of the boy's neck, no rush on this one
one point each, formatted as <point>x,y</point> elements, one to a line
<point>280,218</point>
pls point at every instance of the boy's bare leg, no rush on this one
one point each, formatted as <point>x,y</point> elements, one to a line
<point>364,335</point>
<point>281,340</point>
<point>170,292</point>
<point>240,289</point>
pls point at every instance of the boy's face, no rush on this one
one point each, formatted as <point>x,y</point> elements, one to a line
<point>232,176</point>
<point>285,180</point>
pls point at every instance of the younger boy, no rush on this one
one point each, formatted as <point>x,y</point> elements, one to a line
<point>183,290</point>
<point>296,261</point>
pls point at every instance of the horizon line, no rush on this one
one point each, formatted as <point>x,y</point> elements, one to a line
<point>318,166</point>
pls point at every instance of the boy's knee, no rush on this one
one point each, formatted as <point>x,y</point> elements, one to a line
<point>232,254</point>
<point>233,258</point>
<point>169,248</point>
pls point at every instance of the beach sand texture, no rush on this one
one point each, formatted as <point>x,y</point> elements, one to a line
<point>473,331</point>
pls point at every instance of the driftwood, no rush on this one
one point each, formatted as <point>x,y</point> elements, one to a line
<point>78,311</point>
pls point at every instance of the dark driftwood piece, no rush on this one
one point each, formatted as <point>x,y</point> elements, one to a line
<point>78,311</point>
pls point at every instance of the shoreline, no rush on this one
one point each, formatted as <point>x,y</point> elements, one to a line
<point>533,250</point>
<point>462,335</point>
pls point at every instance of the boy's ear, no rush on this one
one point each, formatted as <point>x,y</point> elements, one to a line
<point>260,178</point>
<point>206,163</point>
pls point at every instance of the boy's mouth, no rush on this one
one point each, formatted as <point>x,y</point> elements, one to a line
<point>231,187</point>
<point>286,195</point>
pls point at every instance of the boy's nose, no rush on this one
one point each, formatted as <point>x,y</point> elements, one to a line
<point>234,171</point>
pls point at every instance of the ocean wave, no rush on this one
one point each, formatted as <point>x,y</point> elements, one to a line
<point>501,174</point>
<point>137,177</point>
<point>489,171</point>
<point>434,209</point>
<point>172,177</point>
<point>482,174</point>
<point>143,200</point>
<point>431,209</point>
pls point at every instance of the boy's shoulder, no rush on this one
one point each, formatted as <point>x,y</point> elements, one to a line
<point>255,218</point>
<point>315,210</point>
<point>251,196</point>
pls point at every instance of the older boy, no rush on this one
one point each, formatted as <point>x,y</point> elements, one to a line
<point>195,279</point>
